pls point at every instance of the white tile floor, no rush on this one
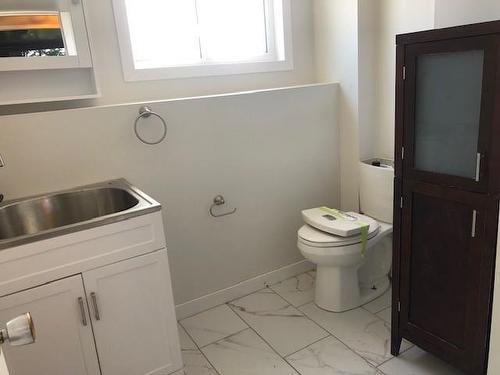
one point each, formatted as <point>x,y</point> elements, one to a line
<point>279,330</point>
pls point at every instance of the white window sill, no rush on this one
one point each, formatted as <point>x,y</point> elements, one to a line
<point>132,74</point>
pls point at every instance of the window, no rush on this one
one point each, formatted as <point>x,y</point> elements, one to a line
<point>185,38</point>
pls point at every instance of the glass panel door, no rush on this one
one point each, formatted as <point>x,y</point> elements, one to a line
<point>448,110</point>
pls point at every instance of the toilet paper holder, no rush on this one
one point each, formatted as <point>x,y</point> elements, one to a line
<point>219,201</point>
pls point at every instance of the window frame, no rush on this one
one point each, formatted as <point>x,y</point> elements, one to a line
<point>279,57</point>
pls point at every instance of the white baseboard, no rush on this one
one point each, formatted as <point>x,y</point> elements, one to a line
<point>241,289</point>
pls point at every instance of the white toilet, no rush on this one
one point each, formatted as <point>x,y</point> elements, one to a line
<point>353,270</point>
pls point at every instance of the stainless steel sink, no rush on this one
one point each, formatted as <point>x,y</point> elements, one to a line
<point>31,219</point>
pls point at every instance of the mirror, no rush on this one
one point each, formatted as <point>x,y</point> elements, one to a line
<point>43,34</point>
<point>36,34</point>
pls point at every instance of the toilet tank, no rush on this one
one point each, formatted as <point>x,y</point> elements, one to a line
<point>376,190</point>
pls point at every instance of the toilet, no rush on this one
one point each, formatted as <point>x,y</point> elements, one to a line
<point>353,268</point>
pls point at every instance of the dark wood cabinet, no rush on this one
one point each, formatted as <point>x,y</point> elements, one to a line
<point>446,191</point>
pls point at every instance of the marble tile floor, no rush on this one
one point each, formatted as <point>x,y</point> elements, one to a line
<point>279,330</point>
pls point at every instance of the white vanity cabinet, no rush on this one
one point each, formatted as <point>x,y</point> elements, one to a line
<point>100,299</point>
<point>124,307</point>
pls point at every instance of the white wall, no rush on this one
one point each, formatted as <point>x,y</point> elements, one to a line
<point>271,154</point>
<point>369,17</point>
<point>462,12</point>
<point>355,46</point>
<point>396,17</point>
<point>106,56</point>
<point>336,45</point>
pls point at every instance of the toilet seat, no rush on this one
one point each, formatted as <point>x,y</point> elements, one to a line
<point>315,238</point>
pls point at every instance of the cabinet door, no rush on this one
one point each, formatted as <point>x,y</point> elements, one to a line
<point>446,272</point>
<point>64,343</point>
<point>133,316</point>
<point>449,106</point>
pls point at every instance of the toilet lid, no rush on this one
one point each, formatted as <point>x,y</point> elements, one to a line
<point>336,222</point>
<point>314,237</point>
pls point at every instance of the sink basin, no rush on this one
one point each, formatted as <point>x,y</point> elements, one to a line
<point>58,213</point>
<point>58,210</point>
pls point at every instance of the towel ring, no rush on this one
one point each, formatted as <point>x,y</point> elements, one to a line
<point>146,112</point>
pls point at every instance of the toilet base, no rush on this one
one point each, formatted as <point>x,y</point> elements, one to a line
<point>338,289</point>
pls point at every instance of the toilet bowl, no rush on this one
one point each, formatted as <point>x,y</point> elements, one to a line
<point>348,274</point>
<point>353,269</point>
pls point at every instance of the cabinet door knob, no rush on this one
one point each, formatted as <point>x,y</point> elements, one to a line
<point>94,303</point>
<point>82,311</point>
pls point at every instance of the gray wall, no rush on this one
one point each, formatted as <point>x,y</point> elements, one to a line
<point>270,153</point>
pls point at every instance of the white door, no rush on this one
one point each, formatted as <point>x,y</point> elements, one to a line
<point>64,343</point>
<point>133,316</point>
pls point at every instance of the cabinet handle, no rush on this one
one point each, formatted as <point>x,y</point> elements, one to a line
<point>94,303</point>
<point>478,166</point>
<point>474,219</point>
<point>82,311</point>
